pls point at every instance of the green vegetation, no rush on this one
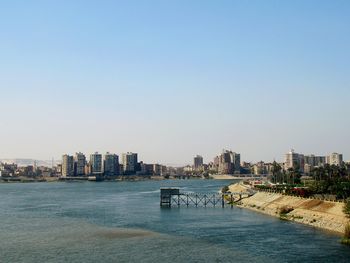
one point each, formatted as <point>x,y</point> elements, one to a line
<point>225,189</point>
<point>283,212</point>
<point>346,237</point>
<point>330,180</point>
<point>297,217</point>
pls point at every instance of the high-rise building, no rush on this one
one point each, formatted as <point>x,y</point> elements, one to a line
<point>312,160</point>
<point>67,165</point>
<point>111,164</point>
<point>198,162</point>
<point>335,159</point>
<point>79,164</point>
<point>129,160</point>
<point>236,161</point>
<point>96,164</point>
<point>294,160</point>
<point>229,162</point>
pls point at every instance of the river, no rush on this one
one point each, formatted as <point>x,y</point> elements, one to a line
<point>123,222</point>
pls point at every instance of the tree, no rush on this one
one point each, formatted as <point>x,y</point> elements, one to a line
<point>276,172</point>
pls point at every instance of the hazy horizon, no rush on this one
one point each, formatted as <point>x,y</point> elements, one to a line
<point>170,80</point>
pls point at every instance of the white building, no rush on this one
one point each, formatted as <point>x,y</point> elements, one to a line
<point>294,160</point>
<point>335,159</point>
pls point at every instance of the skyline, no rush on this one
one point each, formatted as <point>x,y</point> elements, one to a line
<point>282,158</point>
<point>172,80</point>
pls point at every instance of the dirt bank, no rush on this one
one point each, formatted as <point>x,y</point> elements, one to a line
<point>322,214</point>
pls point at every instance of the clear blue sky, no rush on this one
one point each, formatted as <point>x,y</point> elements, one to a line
<point>171,79</point>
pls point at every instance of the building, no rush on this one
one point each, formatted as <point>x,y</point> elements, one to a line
<point>294,160</point>
<point>111,164</point>
<point>129,160</point>
<point>259,168</point>
<point>229,162</point>
<point>79,164</point>
<point>96,164</point>
<point>198,162</point>
<point>188,169</point>
<point>146,169</point>
<point>335,159</point>
<point>312,160</point>
<point>236,161</point>
<point>67,165</point>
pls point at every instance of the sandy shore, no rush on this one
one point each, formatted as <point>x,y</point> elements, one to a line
<point>238,188</point>
<point>321,214</point>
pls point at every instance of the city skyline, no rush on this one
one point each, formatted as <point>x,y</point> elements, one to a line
<point>172,80</point>
<point>198,158</point>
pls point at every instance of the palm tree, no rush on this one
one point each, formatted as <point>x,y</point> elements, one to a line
<point>276,170</point>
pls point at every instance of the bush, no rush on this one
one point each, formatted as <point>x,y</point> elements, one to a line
<point>285,210</point>
<point>225,189</point>
<point>346,238</point>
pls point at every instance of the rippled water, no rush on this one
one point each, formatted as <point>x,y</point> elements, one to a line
<point>122,222</point>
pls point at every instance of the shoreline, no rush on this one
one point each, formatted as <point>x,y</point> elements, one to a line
<point>326,215</point>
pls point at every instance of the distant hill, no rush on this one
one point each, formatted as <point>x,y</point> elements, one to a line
<point>26,162</point>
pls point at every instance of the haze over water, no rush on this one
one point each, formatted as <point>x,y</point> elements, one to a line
<point>122,222</point>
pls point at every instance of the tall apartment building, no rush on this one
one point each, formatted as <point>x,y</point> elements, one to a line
<point>79,164</point>
<point>111,164</point>
<point>236,161</point>
<point>96,164</point>
<point>67,165</point>
<point>335,159</point>
<point>229,162</point>
<point>198,162</point>
<point>313,160</point>
<point>129,160</point>
<point>294,160</point>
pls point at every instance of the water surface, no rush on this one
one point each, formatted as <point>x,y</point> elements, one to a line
<point>122,222</point>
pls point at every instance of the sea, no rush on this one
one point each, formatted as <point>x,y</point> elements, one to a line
<point>123,222</point>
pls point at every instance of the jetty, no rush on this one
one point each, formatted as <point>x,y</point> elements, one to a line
<point>173,197</point>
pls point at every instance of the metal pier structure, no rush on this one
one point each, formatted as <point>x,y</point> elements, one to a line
<point>172,197</point>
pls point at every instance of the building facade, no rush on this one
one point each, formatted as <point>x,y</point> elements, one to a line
<point>67,165</point>
<point>129,160</point>
<point>111,164</point>
<point>79,164</point>
<point>96,164</point>
<point>198,162</point>
<point>294,160</point>
<point>229,162</point>
<point>335,159</point>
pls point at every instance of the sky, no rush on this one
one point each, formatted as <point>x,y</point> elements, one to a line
<point>172,79</point>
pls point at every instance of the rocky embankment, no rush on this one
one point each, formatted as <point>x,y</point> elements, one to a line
<point>317,213</point>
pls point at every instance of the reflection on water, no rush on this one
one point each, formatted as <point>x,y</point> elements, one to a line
<point>122,222</point>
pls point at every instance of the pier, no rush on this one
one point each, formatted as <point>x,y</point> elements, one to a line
<point>173,197</point>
